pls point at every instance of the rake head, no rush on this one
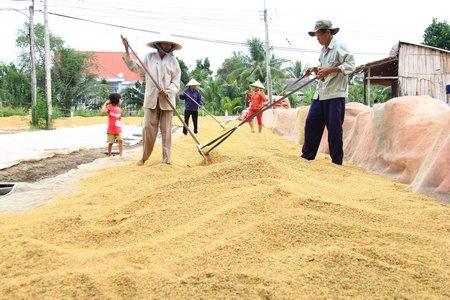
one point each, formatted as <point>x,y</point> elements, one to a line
<point>200,148</point>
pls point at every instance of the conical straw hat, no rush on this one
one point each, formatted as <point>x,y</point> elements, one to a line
<point>165,37</point>
<point>258,84</point>
<point>192,82</point>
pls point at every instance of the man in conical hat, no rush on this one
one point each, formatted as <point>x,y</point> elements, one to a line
<point>257,101</point>
<point>166,72</point>
<point>192,101</point>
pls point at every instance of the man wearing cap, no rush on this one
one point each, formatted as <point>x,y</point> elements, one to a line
<point>192,101</point>
<point>257,101</point>
<point>328,106</point>
<point>165,71</point>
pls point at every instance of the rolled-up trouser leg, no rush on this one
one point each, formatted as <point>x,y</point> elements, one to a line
<point>149,132</point>
<point>166,135</point>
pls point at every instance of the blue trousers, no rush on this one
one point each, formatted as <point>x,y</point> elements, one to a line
<point>329,113</point>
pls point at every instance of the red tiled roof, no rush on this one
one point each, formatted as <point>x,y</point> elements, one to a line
<point>110,65</point>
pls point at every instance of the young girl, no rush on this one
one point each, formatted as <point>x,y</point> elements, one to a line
<point>114,132</point>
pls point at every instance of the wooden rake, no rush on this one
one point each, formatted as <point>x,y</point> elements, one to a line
<point>199,146</point>
<point>204,109</point>
<point>219,140</point>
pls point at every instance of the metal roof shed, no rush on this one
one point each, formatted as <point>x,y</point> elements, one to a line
<point>410,69</point>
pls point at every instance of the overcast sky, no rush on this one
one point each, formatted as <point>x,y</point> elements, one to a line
<point>215,29</point>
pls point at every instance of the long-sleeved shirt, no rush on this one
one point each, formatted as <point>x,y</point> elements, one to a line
<point>166,72</point>
<point>335,85</point>
<point>257,100</point>
<point>188,103</point>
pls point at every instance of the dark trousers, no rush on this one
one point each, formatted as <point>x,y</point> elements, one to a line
<point>329,113</point>
<point>187,115</point>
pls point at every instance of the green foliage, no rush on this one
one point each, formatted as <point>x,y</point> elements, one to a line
<point>133,96</point>
<point>140,112</point>
<point>41,113</point>
<point>252,67</point>
<point>437,35</point>
<point>378,94</point>
<point>86,113</point>
<point>307,98</point>
<point>202,70</point>
<point>14,86</point>
<point>8,111</point>
<point>211,95</point>
<point>185,76</point>
<point>236,61</point>
<point>296,70</point>
<point>77,91</point>
<point>23,43</point>
<point>356,93</point>
<point>231,106</point>
<point>73,84</point>
<point>240,70</point>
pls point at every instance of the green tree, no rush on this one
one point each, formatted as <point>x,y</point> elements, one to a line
<point>72,83</point>
<point>211,95</point>
<point>296,70</point>
<point>23,43</point>
<point>232,106</point>
<point>133,96</point>
<point>437,35</point>
<point>185,76</point>
<point>245,69</point>
<point>236,61</point>
<point>14,87</point>
<point>202,70</point>
<point>254,64</point>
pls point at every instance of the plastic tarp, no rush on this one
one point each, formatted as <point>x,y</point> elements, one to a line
<point>36,145</point>
<point>406,138</point>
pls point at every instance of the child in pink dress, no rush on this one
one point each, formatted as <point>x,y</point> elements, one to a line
<point>114,132</point>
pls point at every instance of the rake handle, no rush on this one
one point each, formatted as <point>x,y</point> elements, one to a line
<point>167,98</point>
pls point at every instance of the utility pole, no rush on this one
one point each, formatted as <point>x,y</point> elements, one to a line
<point>268,76</point>
<point>33,67</point>
<point>33,60</point>
<point>48,77</point>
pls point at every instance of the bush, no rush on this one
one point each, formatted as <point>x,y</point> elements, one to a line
<point>8,111</point>
<point>40,113</point>
<point>87,113</point>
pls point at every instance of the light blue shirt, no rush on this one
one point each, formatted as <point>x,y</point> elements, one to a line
<point>335,85</point>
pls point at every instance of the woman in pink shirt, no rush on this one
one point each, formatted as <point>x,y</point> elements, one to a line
<point>257,101</point>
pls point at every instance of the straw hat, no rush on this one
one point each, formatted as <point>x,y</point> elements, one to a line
<point>165,38</point>
<point>258,84</point>
<point>192,82</point>
<point>323,24</point>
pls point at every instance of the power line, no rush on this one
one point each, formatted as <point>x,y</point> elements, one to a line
<point>202,39</point>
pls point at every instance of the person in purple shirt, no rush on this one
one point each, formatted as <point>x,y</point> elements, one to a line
<point>192,101</point>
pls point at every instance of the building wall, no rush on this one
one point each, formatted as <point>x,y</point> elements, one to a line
<point>423,71</point>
